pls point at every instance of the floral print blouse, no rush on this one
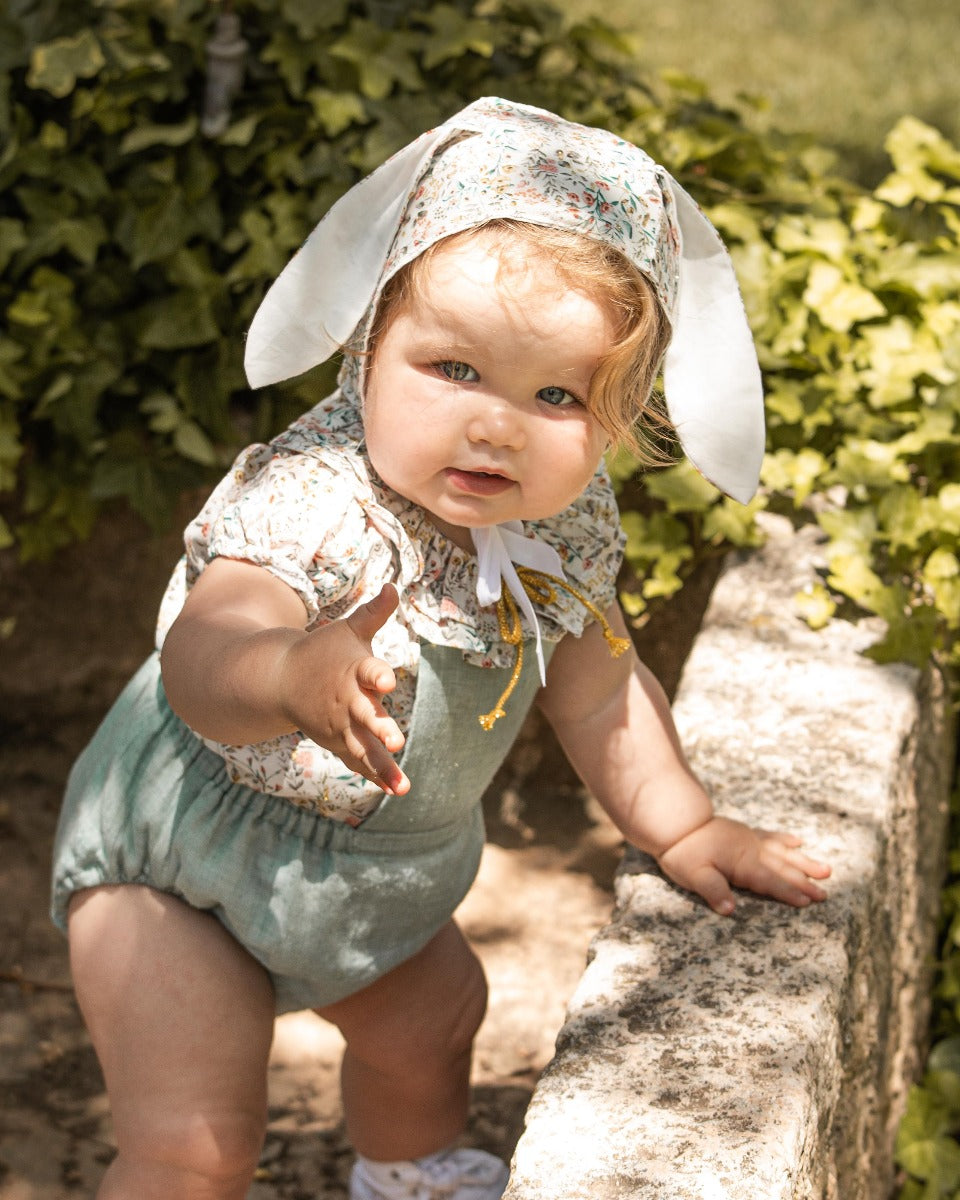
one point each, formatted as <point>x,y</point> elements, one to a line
<point>310,509</point>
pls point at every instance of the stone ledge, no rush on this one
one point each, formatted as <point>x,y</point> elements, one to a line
<point>764,1056</point>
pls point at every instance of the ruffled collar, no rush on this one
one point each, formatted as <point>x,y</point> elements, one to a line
<point>438,580</point>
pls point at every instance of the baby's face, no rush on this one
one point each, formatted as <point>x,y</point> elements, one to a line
<point>475,402</point>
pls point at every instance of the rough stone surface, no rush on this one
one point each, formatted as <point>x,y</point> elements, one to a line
<point>767,1055</point>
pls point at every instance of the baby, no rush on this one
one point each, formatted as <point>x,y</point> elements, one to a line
<point>282,811</point>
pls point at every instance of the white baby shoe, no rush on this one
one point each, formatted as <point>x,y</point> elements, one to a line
<point>461,1174</point>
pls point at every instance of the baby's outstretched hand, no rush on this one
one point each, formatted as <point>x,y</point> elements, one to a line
<point>330,686</point>
<point>722,852</point>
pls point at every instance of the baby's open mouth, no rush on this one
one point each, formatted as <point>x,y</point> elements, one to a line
<point>478,483</point>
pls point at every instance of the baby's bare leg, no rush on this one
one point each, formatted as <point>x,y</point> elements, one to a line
<point>406,1069</point>
<point>182,1019</point>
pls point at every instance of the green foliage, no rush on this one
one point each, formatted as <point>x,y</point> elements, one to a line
<point>927,1146</point>
<point>859,329</point>
<point>134,250</point>
<point>854,298</point>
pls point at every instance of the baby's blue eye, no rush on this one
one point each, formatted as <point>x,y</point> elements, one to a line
<point>458,372</point>
<point>556,397</point>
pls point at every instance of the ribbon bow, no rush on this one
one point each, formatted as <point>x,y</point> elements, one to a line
<point>498,548</point>
<point>531,570</point>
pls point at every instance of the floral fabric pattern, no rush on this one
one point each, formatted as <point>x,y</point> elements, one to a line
<point>507,161</point>
<point>309,508</point>
<point>528,165</point>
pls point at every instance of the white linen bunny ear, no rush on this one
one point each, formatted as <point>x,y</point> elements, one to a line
<point>711,377</point>
<point>310,312</point>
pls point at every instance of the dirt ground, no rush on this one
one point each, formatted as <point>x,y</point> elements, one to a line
<point>70,636</point>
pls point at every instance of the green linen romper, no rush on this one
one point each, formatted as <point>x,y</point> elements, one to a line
<point>325,907</point>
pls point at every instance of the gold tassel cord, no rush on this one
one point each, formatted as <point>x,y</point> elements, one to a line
<point>508,618</point>
<point>541,587</point>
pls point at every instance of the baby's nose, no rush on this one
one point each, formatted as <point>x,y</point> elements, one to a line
<point>498,424</point>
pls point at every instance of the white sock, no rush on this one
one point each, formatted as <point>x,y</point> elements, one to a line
<point>386,1172</point>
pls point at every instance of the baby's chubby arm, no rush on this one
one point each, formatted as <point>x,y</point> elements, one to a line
<point>613,720</point>
<point>239,667</point>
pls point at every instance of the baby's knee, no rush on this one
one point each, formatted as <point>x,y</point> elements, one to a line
<point>199,1153</point>
<point>447,1031</point>
<point>431,1015</point>
<point>469,1004</point>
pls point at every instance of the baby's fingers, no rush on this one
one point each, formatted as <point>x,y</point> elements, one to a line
<point>364,753</point>
<point>785,847</point>
<point>789,887</point>
<point>785,873</point>
<point>374,675</point>
<point>710,883</point>
<point>367,713</point>
<point>369,617</point>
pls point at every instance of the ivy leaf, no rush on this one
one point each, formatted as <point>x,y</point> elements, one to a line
<point>899,512</point>
<point>821,238</point>
<point>174,322</point>
<point>947,508</point>
<point>863,462</point>
<point>152,232</point>
<point>682,488</point>
<point>941,573</point>
<point>559,61</point>
<point>164,412</point>
<point>267,250</point>
<point>13,237</point>
<point>381,58</point>
<point>190,441</point>
<point>926,1118</point>
<point>29,309</point>
<point>796,472</point>
<point>294,56</point>
<point>621,466</point>
<point>912,271</point>
<point>311,18</point>
<point>56,66</point>
<point>648,538</point>
<point>11,448</point>
<point>736,221</point>
<point>921,155</point>
<point>730,521</point>
<point>893,356</point>
<point>633,604</point>
<point>167,417</point>
<point>142,137</point>
<point>936,1160</point>
<point>454,35</point>
<point>336,111</point>
<point>242,132</point>
<point>665,579</point>
<point>911,637</point>
<point>815,605</point>
<point>11,352</point>
<point>945,1056</point>
<point>934,427</point>
<point>854,577</point>
<point>839,303</point>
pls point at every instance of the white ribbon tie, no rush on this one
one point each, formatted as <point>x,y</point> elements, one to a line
<point>498,548</point>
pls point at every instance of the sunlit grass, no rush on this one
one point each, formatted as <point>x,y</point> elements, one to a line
<point>842,70</point>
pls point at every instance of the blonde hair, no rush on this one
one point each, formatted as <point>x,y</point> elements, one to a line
<point>622,389</point>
